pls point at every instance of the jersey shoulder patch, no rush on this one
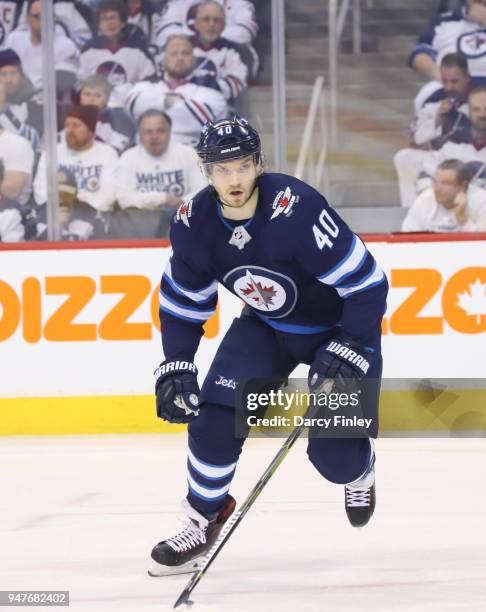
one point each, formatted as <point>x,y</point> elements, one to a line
<point>292,198</point>
<point>184,213</point>
<point>284,202</point>
<point>195,209</point>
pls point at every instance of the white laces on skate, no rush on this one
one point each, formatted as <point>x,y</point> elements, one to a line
<point>357,498</point>
<point>190,537</point>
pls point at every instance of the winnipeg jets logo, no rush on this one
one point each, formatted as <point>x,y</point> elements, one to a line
<point>270,293</point>
<point>283,203</point>
<point>184,213</point>
<point>472,44</point>
<point>256,292</point>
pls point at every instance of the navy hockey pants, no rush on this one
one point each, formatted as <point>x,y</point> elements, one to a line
<point>252,349</point>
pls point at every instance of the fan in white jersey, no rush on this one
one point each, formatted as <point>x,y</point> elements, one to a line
<point>462,30</point>
<point>449,206</point>
<point>178,17</point>
<point>27,45</point>
<point>92,163</point>
<point>188,104</point>
<point>143,14</point>
<point>20,110</point>
<point>441,108</point>
<point>77,20</point>
<point>232,73</point>
<point>155,177</point>
<point>11,216</point>
<point>416,168</point>
<point>115,126</point>
<point>119,51</point>
<point>18,159</point>
<point>11,12</point>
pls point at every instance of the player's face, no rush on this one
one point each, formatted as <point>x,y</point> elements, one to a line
<point>477,110</point>
<point>78,135</point>
<point>110,24</point>
<point>155,135</point>
<point>93,96</point>
<point>446,187</point>
<point>179,60</point>
<point>234,180</point>
<point>454,80</point>
<point>11,78</point>
<point>209,23</point>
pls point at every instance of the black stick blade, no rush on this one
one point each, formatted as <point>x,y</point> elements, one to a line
<point>183,599</point>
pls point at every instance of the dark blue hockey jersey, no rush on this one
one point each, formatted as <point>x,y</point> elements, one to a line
<point>300,268</point>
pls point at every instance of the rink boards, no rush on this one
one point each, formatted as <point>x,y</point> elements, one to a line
<point>79,334</point>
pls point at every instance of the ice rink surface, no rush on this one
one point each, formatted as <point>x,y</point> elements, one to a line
<point>82,514</point>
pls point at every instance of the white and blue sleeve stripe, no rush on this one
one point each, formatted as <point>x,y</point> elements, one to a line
<point>196,295</point>
<point>187,313</point>
<point>350,264</point>
<point>374,277</point>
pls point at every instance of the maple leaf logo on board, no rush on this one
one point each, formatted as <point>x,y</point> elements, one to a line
<point>473,302</point>
<point>254,290</point>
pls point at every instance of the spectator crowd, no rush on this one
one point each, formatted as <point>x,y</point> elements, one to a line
<point>442,173</point>
<point>135,82</point>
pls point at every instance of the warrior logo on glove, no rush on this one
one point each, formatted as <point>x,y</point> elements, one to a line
<point>177,391</point>
<point>343,351</point>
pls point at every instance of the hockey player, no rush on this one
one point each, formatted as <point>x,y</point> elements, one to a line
<point>314,295</point>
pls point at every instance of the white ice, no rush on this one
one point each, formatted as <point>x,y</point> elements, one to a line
<point>82,514</point>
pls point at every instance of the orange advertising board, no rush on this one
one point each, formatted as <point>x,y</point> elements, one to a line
<point>95,310</point>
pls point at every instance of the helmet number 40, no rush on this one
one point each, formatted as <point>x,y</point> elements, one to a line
<point>227,129</point>
<point>327,223</point>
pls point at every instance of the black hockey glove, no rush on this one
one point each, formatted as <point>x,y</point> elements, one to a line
<point>177,391</point>
<point>339,360</point>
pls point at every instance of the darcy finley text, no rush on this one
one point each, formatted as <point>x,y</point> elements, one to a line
<point>336,421</point>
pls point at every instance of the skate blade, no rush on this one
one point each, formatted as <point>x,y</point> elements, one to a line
<point>158,571</point>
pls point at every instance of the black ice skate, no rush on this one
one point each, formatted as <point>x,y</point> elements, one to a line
<point>360,499</point>
<point>183,553</point>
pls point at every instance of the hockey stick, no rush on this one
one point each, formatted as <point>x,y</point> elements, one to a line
<point>237,517</point>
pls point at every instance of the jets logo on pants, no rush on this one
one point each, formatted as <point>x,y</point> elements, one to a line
<point>271,293</point>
